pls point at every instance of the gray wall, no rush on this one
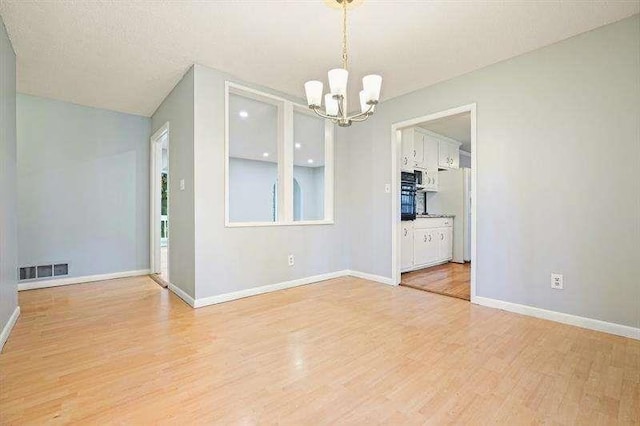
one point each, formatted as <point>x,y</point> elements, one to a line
<point>558,187</point>
<point>465,161</point>
<point>232,259</point>
<point>311,181</point>
<point>8,220</point>
<point>83,187</point>
<point>251,191</point>
<point>177,109</point>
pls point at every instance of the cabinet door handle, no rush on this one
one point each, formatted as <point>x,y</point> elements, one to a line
<point>405,232</point>
<point>425,238</point>
<point>405,161</point>
<point>442,236</point>
<point>414,153</point>
<point>429,237</point>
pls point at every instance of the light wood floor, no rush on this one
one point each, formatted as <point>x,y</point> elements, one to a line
<point>450,279</point>
<point>345,351</point>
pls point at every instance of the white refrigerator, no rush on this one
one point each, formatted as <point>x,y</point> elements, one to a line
<point>454,197</point>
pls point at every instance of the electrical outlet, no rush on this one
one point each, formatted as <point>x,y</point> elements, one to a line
<point>181,184</point>
<point>557,281</point>
<point>387,188</point>
<point>291,260</point>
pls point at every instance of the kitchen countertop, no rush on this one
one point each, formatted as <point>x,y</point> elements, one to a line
<point>434,216</point>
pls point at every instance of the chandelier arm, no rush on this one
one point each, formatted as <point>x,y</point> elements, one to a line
<point>363,115</point>
<point>358,118</point>
<point>319,112</point>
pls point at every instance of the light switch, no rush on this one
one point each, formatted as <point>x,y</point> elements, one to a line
<point>181,184</point>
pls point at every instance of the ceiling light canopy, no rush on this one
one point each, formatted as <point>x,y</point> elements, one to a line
<point>335,102</point>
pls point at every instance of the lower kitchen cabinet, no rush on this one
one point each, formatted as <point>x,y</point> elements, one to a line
<point>445,243</point>
<point>425,246</point>
<point>426,242</point>
<point>406,245</point>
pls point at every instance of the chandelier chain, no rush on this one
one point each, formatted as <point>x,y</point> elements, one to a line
<point>345,58</point>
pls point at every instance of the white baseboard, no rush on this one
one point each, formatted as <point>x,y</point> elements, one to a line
<point>182,295</point>
<point>589,323</point>
<point>226,297</point>
<point>427,265</point>
<point>9,326</point>
<point>371,277</point>
<point>32,285</point>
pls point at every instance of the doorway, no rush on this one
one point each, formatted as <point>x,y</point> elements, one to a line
<point>434,250</point>
<point>159,206</point>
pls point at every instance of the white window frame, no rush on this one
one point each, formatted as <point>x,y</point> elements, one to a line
<point>285,160</point>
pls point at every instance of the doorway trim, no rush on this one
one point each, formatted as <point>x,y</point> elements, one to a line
<point>155,200</point>
<point>396,155</point>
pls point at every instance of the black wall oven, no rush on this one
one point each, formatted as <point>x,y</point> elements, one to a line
<point>408,196</point>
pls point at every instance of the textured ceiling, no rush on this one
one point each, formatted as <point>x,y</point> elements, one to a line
<point>127,55</point>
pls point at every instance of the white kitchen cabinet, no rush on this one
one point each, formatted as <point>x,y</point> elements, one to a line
<point>448,154</point>
<point>445,243</point>
<point>418,150</point>
<point>431,146</point>
<point>431,180</point>
<point>413,151</point>
<point>432,243</point>
<point>407,162</point>
<point>425,247</point>
<point>406,246</point>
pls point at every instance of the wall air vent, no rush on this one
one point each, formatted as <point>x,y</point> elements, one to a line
<point>45,271</point>
<point>37,272</point>
<point>27,273</point>
<point>61,269</point>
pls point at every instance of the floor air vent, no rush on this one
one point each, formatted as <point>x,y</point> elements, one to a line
<point>43,271</point>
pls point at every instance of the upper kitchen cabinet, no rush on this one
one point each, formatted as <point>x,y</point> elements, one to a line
<point>448,154</point>
<point>406,162</point>
<point>412,150</point>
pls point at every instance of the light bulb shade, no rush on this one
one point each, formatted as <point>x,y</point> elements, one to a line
<point>338,81</point>
<point>330,105</point>
<point>372,84</point>
<point>364,106</point>
<point>313,90</point>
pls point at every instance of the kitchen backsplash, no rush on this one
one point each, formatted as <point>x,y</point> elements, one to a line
<point>421,203</point>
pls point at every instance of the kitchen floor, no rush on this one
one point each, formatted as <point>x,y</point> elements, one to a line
<point>450,279</point>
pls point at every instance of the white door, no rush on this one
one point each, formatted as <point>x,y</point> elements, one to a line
<point>467,215</point>
<point>406,246</point>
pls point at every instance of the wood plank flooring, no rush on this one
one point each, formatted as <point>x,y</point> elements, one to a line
<point>344,351</point>
<point>450,279</point>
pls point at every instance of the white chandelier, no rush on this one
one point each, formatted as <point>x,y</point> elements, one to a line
<point>335,102</point>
